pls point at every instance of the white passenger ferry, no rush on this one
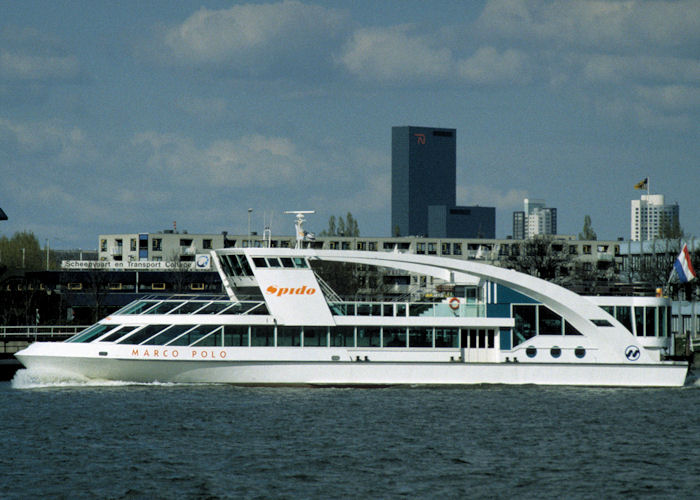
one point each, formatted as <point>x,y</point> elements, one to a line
<point>280,324</point>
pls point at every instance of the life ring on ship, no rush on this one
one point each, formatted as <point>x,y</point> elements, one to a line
<point>454,303</point>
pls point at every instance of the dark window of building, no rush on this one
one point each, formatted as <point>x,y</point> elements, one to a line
<point>442,133</point>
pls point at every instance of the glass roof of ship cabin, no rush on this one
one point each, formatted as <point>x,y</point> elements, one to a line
<point>179,304</point>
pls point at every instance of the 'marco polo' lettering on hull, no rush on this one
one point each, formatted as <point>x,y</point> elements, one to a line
<point>303,290</point>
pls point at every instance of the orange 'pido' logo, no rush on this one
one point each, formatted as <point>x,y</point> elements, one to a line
<point>278,292</point>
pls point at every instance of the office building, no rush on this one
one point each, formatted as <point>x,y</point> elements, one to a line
<point>424,187</point>
<point>649,215</point>
<point>536,219</point>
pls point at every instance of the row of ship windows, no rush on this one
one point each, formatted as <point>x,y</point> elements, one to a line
<point>263,335</point>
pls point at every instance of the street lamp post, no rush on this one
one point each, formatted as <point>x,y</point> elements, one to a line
<point>250,210</point>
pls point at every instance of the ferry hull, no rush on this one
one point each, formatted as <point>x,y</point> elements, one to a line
<point>356,373</point>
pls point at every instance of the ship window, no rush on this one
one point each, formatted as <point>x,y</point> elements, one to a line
<point>549,322</point>
<point>368,336</point>
<point>143,334</point>
<point>420,337</point>
<point>194,335</point>
<point>243,261</point>
<point>189,307</point>
<point>394,337</point>
<point>401,310</point>
<point>136,307</point>
<point>261,335</point>
<point>531,352</point>
<point>92,333</point>
<point>650,321</point>
<point>343,336</point>
<point>569,329</point>
<point>315,336</point>
<point>579,352</point>
<point>287,262</point>
<point>447,337</point>
<point>555,351</point>
<point>288,336</point>
<point>215,308</point>
<point>300,263</point>
<point>639,320</point>
<point>259,262</point>
<point>601,322</point>
<point>118,334</point>
<point>213,339</point>
<point>491,339</point>
<point>363,309</point>
<point>273,262</point>
<point>624,315</point>
<point>236,335</point>
<point>387,310</point>
<point>168,335</point>
<point>525,324</point>
<point>163,307</point>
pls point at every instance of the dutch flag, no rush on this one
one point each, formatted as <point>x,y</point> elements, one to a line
<point>683,266</point>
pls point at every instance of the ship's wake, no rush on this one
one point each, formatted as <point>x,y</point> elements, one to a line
<point>40,379</point>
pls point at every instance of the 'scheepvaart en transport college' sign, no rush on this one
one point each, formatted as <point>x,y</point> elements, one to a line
<point>202,262</point>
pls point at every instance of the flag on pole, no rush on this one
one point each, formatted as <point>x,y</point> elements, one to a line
<point>683,266</point>
<point>642,184</point>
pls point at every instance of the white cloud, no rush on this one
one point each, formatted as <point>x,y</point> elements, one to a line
<point>606,68</point>
<point>488,66</point>
<point>255,39</point>
<point>392,55</point>
<point>64,144</point>
<point>608,25</point>
<point>24,66</point>
<point>487,196</point>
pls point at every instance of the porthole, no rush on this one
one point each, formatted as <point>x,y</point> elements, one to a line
<point>579,352</point>
<point>555,351</point>
<point>531,352</point>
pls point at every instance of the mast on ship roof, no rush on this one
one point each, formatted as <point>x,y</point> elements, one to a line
<point>299,223</point>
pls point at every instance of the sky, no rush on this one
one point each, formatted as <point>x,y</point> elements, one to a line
<point>130,116</point>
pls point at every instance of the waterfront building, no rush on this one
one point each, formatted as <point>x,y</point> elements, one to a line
<point>536,219</point>
<point>649,215</point>
<point>424,187</point>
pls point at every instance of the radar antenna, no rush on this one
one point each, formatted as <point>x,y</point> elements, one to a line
<point>299,223</point>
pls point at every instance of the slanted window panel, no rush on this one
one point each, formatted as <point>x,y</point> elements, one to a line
<point>570,330</point>
<point>137,307</point>
<point>164,307</point>
<point>92,333</point>
<point>288,336</point>
<point>215,308</point>
<point>118,334</point>
<point>194,335</point>
<point>143,334</point>
<point>368,336</point>
<point>168,335</point>
<point>550,322</point>
<point>287,262</point>
<point>236,335</point>
<point>420,337</point>
<point>447,337</point>
<point>300,263</point>
<point>189,307</point>
<point>394,337</point>
<point>213,339</point>
<point>343,336</point>
<point>259,262</point>
<point>315,336</point>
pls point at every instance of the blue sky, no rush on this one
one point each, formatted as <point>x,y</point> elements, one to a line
<point>126,116</point>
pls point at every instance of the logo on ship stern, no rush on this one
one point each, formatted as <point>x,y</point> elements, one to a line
<point>632,353</point>
<point>278,292</point>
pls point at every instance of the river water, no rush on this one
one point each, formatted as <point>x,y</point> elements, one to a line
<point>66,439</point>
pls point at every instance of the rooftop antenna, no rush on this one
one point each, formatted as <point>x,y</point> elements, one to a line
<point>267,232</point>
<point>299,223</point>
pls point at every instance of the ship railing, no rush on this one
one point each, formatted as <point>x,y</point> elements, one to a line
<point>408,309</point>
